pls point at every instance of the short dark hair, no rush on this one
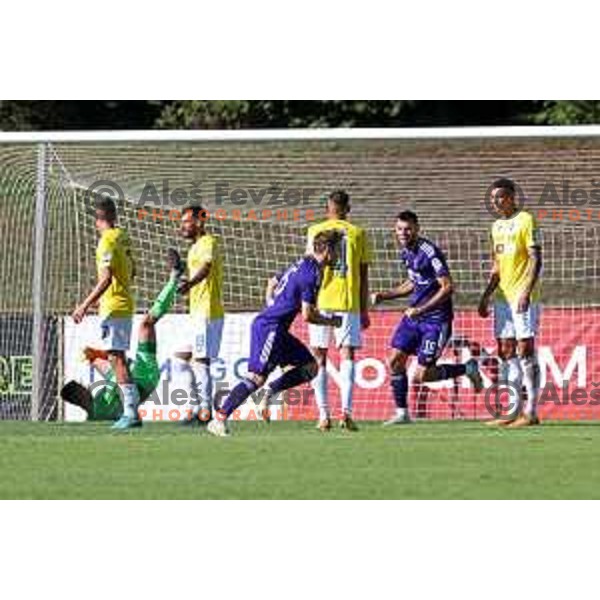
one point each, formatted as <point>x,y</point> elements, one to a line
<point>326,239</point>
<point>340,198</point>
<point>507,186</point>
<point>409,216</point>
<point>196,210</point>
<point>107,206</point>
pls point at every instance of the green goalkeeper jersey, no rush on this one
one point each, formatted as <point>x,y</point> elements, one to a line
<point>145,373</point>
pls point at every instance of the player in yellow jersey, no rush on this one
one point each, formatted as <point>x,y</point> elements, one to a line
<point>517,261</point>
<point>344,292</point>
<point>115,269</point>
<point>205,288</point>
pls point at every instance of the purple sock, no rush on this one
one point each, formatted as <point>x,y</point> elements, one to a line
<point>399,383</point>
<point>238,396</point>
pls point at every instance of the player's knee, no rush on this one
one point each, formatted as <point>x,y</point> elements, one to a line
<point>420,374</point>
<point>507,349</point>
<point>396,364</point>
<point>526,348</point>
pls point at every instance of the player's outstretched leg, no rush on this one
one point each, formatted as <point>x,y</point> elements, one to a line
<point>450,371</point>
<point>291,378</point>
<point>166,297</point>
<point>242,391</point>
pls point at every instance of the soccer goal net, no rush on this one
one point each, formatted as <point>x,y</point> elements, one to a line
<point>261,191</point>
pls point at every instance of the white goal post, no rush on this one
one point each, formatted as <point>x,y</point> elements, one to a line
<point>48,238</point>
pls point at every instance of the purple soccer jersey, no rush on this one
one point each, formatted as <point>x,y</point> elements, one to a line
<point>425,335</point>
<point>271,343</point>
<point>299,283</point>
<point>425,263</point>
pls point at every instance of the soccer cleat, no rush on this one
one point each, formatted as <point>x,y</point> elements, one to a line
<point>472,372</point>
<point>218,427</point>
<point>126,422</point>
<point>175,263</point>
<point>524,421</point>
<point>347,423</point>
<point>324,424</point>
<point>398,420</point>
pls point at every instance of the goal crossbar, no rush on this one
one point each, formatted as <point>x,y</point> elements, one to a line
<point>267,135</point>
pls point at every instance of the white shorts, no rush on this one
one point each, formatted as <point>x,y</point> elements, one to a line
<point>508,323</point>
<point>206,337</point>
<point>348,335</point>
<point>115,333</point>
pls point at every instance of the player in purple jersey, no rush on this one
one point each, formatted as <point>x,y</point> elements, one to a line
<point>271,344</point>
<point>426,325</point>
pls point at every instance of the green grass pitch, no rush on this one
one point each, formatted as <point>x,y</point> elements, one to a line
<point>292,460</point>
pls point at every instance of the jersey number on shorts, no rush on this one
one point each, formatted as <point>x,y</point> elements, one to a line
<point>430,346</point>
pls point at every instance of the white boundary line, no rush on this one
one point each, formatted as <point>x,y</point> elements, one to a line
<point>250,135</point>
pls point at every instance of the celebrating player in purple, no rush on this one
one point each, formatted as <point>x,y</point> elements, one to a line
<point>426,325</point>
<point>272,345</point>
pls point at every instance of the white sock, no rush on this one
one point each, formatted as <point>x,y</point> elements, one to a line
<point>319,384</point>
<point>182,378</point>
<point>530,370</point>
<point>347,377</point>
<point>203,386</point>
<point>131,399</point>
<point>514,377</point>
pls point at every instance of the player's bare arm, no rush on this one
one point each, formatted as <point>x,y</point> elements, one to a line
<point>103,284</point>
<point>446,289</point>
<point>404,289</point>
<point>199,276</point>
<point>534,268</point>
<point>310,314</point>
<point>493,282</point>
<point>364,295</point>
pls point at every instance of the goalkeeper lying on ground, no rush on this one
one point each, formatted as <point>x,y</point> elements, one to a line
<point>102,400</point>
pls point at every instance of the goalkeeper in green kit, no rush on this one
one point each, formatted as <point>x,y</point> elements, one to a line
<point>102,400</point>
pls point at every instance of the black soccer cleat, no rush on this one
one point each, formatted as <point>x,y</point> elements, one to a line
<point>175,263</point>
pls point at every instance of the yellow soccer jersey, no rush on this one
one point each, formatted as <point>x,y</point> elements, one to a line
<point>206,298</point>
<point>114,251</point>
<point>512,239</point>
<point>340,289</point>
